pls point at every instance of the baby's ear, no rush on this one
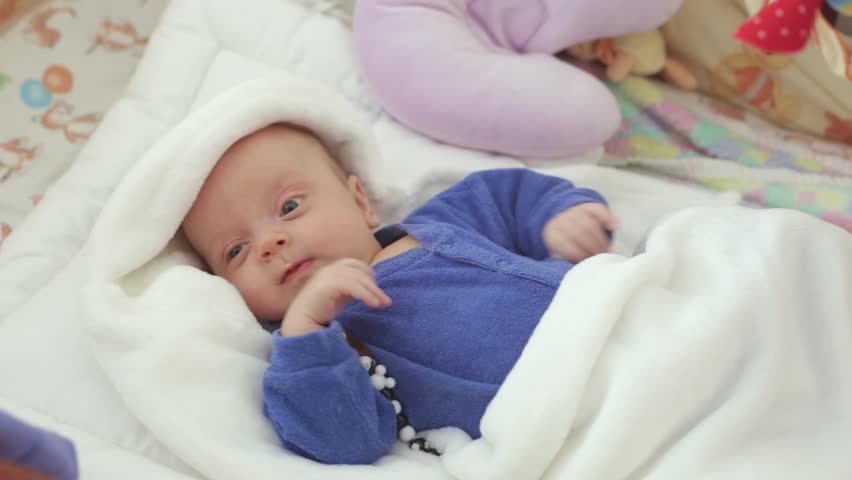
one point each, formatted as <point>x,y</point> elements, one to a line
<point>362,200</point>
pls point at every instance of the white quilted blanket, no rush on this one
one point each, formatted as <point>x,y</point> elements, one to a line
<point>664,356</point>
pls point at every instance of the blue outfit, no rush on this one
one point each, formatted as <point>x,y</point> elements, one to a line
<point>36,451</point>
<point>464,306</point>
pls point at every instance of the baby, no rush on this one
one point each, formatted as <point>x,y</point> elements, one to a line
<point>446,300</point>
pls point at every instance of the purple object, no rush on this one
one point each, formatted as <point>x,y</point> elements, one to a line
<point>481,73</point>
<point>36,449</point>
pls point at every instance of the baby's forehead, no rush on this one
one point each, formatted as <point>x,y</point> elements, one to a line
<point>265,160</point>
<point>282,142</point>
<point>279,134</point>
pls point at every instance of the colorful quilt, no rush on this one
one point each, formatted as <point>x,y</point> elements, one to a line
<point>716,144</point>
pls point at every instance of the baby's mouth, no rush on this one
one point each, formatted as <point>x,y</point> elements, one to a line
<point>296,271</point>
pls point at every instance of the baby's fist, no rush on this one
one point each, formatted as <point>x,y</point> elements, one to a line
<point>579,232</point>
<point>326,294</point>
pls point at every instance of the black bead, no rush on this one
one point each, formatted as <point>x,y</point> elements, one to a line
<point>432,451</point>
<point>423,446</point>
<point>401,421</point>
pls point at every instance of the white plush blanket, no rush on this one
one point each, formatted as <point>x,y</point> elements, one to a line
<point>692,357</point>
<point>722,351</point>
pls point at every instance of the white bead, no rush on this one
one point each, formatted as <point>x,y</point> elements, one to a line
<point>378,381</point>
<point>397,407</point>
<point>366,361</point>
<point>407,433</point>
<point>390,382</point>
<point>415,447</point>
<point>381,370</point>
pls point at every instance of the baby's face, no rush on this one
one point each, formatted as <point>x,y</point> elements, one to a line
<point>275,209</point>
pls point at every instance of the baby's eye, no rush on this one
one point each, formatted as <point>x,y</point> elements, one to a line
<point>290,205</point>
<point>232,253</point>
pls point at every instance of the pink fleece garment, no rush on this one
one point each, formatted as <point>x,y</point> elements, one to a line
<point>481,73</point>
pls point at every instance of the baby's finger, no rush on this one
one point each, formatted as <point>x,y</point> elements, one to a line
<point>596,240</point>
<point>361,273</point>
<point>612,224</point>
<point>563,242</point>
<point>358,266</point>
<point>580,222</point>
<point>575,252</point>
<point>603,214</point>
<point>383,297</point>
<point>585,226</point>
<point>378,298</point>
<point>360,291</point>
<point>586,246</point>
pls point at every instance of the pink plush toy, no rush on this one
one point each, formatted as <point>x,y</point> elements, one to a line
<point>482,73</point>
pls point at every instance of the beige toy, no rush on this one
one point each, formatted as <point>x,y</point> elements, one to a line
<point>642,53</point>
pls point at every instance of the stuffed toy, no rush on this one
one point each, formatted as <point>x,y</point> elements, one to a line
<point>640,53</point>
<point>482,74</point>
<point>785,26</point>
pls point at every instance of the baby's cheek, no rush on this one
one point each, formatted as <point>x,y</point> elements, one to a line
<point>265,305</point>
<point>347,238</point>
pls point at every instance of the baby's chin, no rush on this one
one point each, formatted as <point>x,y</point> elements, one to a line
<point>268,316</point>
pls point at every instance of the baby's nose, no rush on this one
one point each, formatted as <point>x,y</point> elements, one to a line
<point>271,246</point>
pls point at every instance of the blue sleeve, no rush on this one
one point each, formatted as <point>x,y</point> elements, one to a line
<point>36,449</point>
<point>321,402</point>
<point>508,206</point>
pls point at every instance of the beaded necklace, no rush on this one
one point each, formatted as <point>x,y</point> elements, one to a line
<point>385,385</point>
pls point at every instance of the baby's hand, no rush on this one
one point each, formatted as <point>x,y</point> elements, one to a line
<point>579,232</point>
<point>328,292</point>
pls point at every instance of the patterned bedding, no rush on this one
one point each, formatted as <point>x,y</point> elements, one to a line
<point>699,139</point>
<point>62,63</point>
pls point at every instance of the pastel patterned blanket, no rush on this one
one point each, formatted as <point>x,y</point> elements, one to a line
<point>706,141</point>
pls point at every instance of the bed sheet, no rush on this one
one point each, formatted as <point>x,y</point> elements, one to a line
<point>62,63</point>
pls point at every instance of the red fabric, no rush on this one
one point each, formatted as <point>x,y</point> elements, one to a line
<point>783,26</point>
